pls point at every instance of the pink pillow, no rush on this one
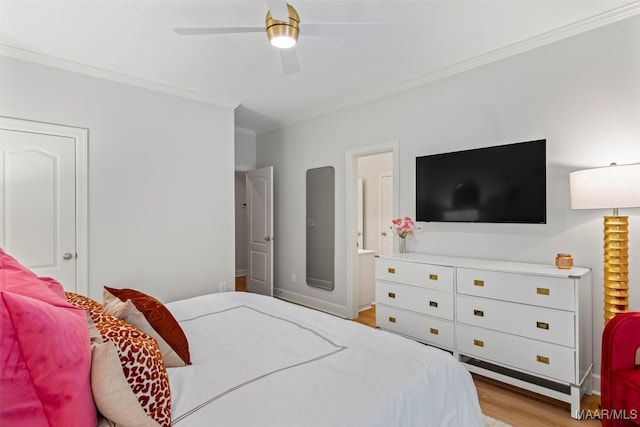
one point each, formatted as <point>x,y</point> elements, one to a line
<point>54,285</point>
<point>24,281</point>
<point>46,353</point>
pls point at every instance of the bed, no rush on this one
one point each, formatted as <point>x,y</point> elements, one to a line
<point>226,359</point>
<point>262,361</point>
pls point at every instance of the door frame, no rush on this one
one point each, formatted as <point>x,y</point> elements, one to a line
<point>352,156</point>
<point>81,138</point>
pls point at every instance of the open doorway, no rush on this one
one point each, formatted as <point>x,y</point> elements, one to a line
<point>375,202</point>
<point>254,231</point>
<point>241,229</point>
<point>372,202</point>
<point>375,211</point>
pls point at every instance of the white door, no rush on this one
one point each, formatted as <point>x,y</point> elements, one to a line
<point>38,202</point>
<point>260,231</point>
<point>386,214</point>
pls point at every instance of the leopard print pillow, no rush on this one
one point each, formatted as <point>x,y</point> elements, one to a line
<point>142,365</point>
<point>83,302</point>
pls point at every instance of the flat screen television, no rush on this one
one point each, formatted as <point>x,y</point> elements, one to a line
<point>500,184</point>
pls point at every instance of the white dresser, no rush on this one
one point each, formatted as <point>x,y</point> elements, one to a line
<point>528,325</point>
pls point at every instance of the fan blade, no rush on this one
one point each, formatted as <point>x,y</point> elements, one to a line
<point>278,10</point>
<point>350,29</point>
<point>289,59</point>
<point>220,30</point>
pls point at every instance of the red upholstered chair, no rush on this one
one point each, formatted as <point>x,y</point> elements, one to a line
<point>620,374</point>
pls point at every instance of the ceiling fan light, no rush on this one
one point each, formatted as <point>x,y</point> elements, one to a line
<point>283,35</point>
<point>283,42</point>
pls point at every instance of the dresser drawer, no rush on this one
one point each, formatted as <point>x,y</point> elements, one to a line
<point>554,326</point>
<point>540,358</point>
<point>422,328</point>
<point>413,273</point>
<point>413,298</point>
<point>544,291</point>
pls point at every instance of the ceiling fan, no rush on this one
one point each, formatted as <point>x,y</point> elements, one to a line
<point>283,25</point>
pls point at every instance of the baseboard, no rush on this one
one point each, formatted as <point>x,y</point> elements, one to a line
<point>595,384</point>
<point>242,272</point>
<point>365,307</point>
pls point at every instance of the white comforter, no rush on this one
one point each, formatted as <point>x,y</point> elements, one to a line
<point>259,361</point>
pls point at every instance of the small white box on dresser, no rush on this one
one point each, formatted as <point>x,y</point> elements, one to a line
<point>528,325</point>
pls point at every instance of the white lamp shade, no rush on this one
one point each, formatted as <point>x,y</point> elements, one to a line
<point>610,187</point>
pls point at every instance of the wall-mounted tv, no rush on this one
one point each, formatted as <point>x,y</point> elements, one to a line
<point>500,184</point>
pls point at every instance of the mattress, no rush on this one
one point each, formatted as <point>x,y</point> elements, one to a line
<point>260,361</point>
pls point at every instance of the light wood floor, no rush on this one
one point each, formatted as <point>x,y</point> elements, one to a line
<point>504,402</point>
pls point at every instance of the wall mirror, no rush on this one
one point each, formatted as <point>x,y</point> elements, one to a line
<point>320,227</point>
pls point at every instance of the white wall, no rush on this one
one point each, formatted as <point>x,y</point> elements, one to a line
<point>582,94</point>
<point>245,149</point>
<point>160,177</point>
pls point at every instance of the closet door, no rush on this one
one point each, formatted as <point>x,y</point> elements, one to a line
<point>38,202</point>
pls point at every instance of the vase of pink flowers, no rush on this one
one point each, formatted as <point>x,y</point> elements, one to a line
<point>403,227</point>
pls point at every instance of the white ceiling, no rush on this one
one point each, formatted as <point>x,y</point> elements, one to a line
<point>133,41</point>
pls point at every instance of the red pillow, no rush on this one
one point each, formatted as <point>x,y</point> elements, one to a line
<point>46,353</point>
<point>159,318</point>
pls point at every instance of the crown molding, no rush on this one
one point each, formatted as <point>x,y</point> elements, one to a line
<point>101,73</point>
<point>597,21</point>
<point>579,27</point>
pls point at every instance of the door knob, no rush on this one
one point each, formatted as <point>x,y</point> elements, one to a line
<point>269,238</point>
<point>67,256</point>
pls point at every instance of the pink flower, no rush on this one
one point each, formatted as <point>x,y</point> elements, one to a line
<point>403,226</point>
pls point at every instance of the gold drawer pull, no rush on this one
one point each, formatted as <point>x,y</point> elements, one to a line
<point>392,319</point>
<point>478,313</point>
<point>433,277</point>
<point>434,331</point>
<point>391,270</point>
<point>392,295</point>
<point>542,325</point>
<point>478,282</point>
<point>433,304</point>
<point>542,291</point>
<point>478,343</point>
<point>542,359</point>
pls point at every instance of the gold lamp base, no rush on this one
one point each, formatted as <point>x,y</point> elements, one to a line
<point>616,266</point>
